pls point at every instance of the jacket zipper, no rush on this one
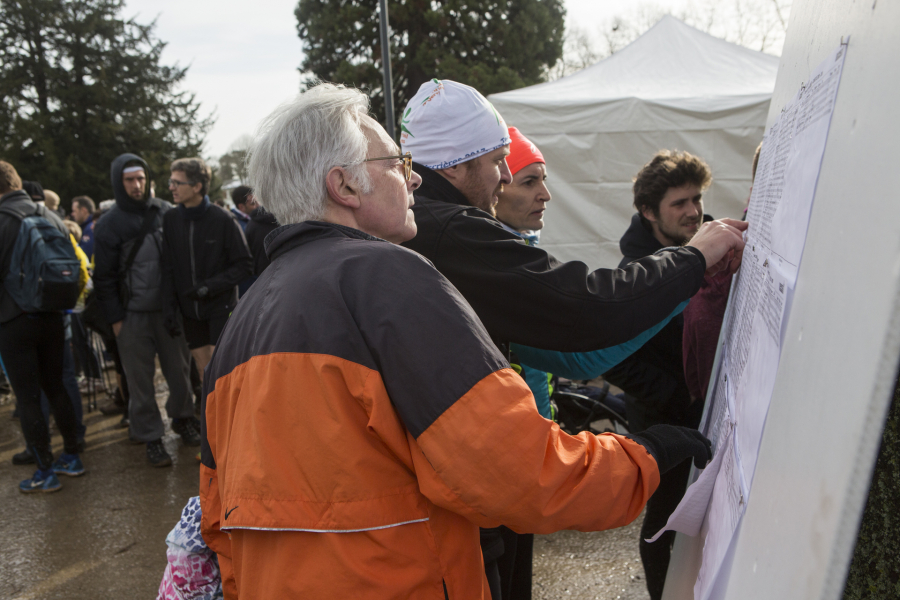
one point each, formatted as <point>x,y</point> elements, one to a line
<point>193,271</point>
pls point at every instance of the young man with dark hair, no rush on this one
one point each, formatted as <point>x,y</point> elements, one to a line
<point>668,196</point>
<point>31,346</point>
<point>205,257</point>
<point>132,301</point>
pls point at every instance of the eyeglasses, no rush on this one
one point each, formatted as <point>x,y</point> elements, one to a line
<point>176,183</point>
<point>406,158</point>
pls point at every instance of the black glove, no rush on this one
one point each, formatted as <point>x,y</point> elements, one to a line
<point>670,445</point>
<point>171,325</point>
<point>198,293</point>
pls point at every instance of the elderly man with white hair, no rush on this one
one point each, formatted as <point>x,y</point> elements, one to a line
<point>359,423</point>
<point>521,293</point>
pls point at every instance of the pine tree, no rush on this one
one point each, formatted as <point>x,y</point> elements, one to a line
<point>492,45</point>
<point>80,86</point>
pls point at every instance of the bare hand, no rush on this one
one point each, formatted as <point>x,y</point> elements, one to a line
<point>721,244</point>
<point>117,327</point>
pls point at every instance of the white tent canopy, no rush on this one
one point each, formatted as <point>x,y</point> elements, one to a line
<point>674,87</point>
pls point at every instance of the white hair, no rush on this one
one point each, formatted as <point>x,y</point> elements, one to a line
<point>300,142</point>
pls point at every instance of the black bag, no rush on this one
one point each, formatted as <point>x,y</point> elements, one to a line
<point>92,316</point>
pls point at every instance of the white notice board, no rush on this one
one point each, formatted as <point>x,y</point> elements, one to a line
<point>783,520</point>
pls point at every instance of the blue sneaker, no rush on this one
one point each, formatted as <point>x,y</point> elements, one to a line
<point>41,482</point>
<point>68,464</point>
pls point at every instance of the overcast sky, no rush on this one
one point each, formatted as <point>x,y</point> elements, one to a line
<point>243,55</point>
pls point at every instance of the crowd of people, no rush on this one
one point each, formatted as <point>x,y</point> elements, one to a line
<point>377,332</point>
<point>153,287</point>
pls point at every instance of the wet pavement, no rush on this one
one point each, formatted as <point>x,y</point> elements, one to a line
<point>103,535</point>
<point>604,565</point>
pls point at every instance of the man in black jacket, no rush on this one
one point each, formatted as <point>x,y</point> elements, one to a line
<point>132,302</point>
<point>262,222</point>
<point>668,196</point>
<point>205,257</point>
<point>520,292</point>
<point>31,346</point>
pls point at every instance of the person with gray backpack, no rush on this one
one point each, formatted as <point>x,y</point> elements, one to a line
<point>38,280</point>
<point>127,282</point>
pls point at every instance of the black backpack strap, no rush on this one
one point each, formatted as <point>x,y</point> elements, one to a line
<point>146,226</point>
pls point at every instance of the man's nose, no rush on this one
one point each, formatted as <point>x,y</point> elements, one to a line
<point>505,173</point>
<point>415,180</point>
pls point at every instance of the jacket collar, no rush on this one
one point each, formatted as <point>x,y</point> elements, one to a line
<point>638,241</point>
<point>288,237</point>
<point>16,196</point>
<point>437,187</point>
<point>195,212</point>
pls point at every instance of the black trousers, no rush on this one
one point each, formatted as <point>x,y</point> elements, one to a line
<point>31,346</point>
<point>672,485</point>
<point>507,562</point>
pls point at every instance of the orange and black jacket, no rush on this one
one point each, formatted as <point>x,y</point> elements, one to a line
<point>359,425</point>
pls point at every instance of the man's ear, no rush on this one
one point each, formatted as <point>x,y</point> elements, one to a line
<point>647,213</point>
<point>453,174</point>
<point>340,189</point>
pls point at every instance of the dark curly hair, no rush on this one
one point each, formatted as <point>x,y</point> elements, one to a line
<point>668,169</point>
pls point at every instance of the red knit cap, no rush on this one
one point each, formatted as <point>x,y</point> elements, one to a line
<point>522,152</point>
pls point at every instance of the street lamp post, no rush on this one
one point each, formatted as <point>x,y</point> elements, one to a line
<point>386,67</point>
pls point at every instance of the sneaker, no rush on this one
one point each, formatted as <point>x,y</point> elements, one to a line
<point>40,482</point>
<point>25,457</point>
<point>68,464</point>
<point>157,455</point>
<point>189,430</point>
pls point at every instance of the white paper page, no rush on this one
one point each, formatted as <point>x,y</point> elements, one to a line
<point>752,397</point>
<point>789,166</point>
<point>725,509</point>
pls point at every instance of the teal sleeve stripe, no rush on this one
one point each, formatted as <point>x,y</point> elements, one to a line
<point>540,388</point>
<point>587,365</point>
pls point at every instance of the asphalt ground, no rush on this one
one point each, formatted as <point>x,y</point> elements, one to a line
<point>103,535</point>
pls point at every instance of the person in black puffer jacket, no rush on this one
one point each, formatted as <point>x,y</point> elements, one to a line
<point>261,224</point>
<point>205,257</point>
